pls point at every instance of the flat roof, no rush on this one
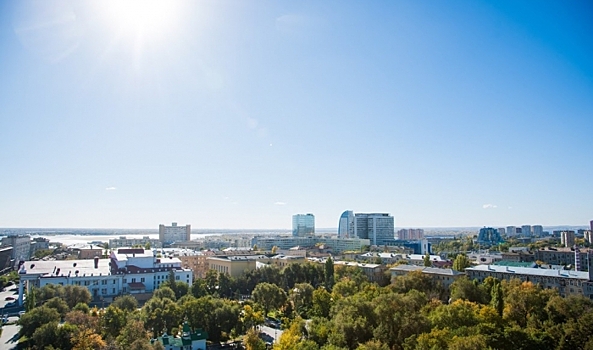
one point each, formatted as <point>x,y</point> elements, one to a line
<point>49,268</point>
<point>529,271</point>
<point>428,270</point>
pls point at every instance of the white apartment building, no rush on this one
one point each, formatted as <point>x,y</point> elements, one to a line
<point>174,233</point>
<point>21,247</point>
<point>127,271</point>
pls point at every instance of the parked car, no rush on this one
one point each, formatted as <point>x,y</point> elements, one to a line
<point>9,298</point>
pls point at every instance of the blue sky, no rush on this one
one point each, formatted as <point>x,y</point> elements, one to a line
<point>238,114</point>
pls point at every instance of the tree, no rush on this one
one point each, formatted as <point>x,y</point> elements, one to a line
<point>31,300</point>
<point>59,305</point>
<point>164,292</point>
<point>125,303</point>
<point>113,321</point>
<point>465,289</point>
<point>461,262</point>
<point>427,262</point>
<point>35,318</point>
<point>199,288</point>
<point>160,314</point>
<point>329,273</point>
<point>302,298</point>
<point>252,340</point>
<point>497,300</point>
<point>250,317</point>
<point>87,340</point>
<point>76,294</point>
<point>269,296</point>
<point>133,331</point>
<point>322,302</point>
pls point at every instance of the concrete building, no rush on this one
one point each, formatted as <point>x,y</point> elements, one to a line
<point>376,227</point>
<point>538,230</point>
<point>489,235</point>
<point>511,231</point>
<point>502,231</point>
<point>303,225</point>
<point>337,245</point>
<point>123,241</point>
<point>567,238</point>
<point>588,235</point>
<point>234,266</point>
<point>566,282</point>
<point>21,246</point>
<point>6,260</point>
<point>346,225</point>
<point>127,271</point>
<point>38,243</point>
<point>174,233</point>
<point>410,234</point>
<point>443,276</point>
<point>526,230</point>
<point>86,251</point>
<point>563,257</point>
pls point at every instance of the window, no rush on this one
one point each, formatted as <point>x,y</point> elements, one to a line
<point>125,280</point>
<point>133,280</point>
<point>177,278</point>
<point>104,282</point>
<point>142,279</point>
<point>104,291</point>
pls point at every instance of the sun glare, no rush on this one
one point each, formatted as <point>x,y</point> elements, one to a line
<point>142,17</point>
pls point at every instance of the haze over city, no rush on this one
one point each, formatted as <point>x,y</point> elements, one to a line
<point>236,115</point>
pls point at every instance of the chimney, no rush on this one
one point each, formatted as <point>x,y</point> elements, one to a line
<point>96,262</point>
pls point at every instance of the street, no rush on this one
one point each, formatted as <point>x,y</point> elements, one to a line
<point>272,334</point>
<point>9,337</point>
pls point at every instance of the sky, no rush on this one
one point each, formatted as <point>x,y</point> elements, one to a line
<point>239,114</point>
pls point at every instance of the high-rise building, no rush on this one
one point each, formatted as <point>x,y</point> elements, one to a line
<point>591,225</point>
<point>511,231</point>
<point>21,246</point>
<point>526,230</point>
<point>489,235</point>
<point>174,233</point>
<point>502,231</point>
<point>538,230</point>
<point>303,225</point>
<point>346,225</point>
<point>410,234</point>
<point>377,227</point>
<point>567,238</point>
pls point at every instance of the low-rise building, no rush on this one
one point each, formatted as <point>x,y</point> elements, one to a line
<point>337,245</point>
<point>565,281</point>
<point>443,276</point>
<point>127,271</point>
<point>21,246</point>
<point>564,256</point>
<point>124,241</point>
<point>189,339</point>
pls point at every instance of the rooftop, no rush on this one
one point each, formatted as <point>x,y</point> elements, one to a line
<point>427,270</point>
<point>530,271</point>
<point>55,268</point>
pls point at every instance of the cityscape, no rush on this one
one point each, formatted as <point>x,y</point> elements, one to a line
<point>248,175</point>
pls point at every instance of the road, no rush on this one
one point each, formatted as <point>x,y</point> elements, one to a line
<point>9,338</point>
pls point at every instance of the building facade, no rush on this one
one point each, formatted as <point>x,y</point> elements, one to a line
<point>123,241</point>
<point>303,225</point>
<point>346,225</point>
<point>337,245</point>
<point>174,233</point>
<point>566,282</point>
<point>489,235</point>
<point>21,246</point>
<point>410,234</point>
<point>511,231</point>
<point>443,276</point>
<point>526,230</point>
<point>127,271</point>
<point>567,238</point>
<point>538,230</point>
<point>378,228</point>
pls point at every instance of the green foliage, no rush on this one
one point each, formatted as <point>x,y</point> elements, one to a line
<point>269,296</point>
<point>35,318</point>
<point>329,273</point>
<point>59,305</point>
<point>461,262</point>
<point>125,303</point>
<point>427,262</point>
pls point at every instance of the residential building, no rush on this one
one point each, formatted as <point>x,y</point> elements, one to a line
<point>303,225</point>
<point>410,234</point>
<point>538,230</point>
<point>6,262</point>
<point>566,282</point>
<point>21,246</point>
<point>38,243</point>
<point>443,276</point>
<point>174,233</point>
<point>234,266</point>
<point>337,245</point>
<point>511,231</point>
<point>502,231</point>
<point>376,227</point>
<point>567,238</point>
<point>86,251</point>
<point>489,235</point>
<point>127,271</point>
<point>526,230</point>
<point>346,225</point>
<point>588,235</point>
<point>123,241</point>
<point>563,257</point>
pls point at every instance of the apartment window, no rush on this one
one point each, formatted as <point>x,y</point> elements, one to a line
<point>177,278</point>
<point>133,280</point>
<point>104,282</point>
<point>125,280</point>
<point>104,291</point>
<point>142,279</point>
<point>86,283</point>
<point>114,281</point>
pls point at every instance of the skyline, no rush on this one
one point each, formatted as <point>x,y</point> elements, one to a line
<point>235,115</point>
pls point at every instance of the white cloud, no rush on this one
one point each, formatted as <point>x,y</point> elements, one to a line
<point>279,203</point>
<point>489,206</point>
<point>111,188</point>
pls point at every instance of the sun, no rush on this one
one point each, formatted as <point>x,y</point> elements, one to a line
<point>153,18</point>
